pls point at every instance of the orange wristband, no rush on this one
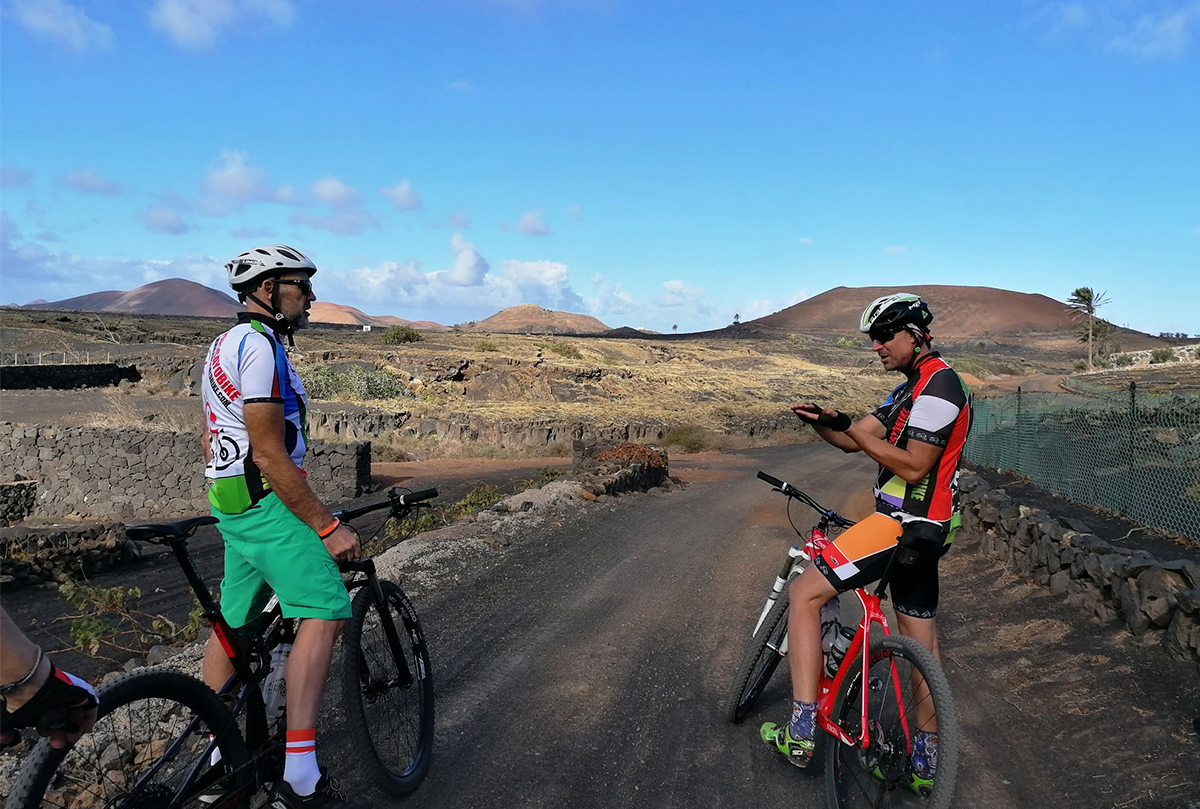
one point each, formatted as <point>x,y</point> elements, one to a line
<point>325,534</point>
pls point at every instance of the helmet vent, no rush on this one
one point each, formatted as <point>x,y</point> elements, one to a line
<point>289,254</point>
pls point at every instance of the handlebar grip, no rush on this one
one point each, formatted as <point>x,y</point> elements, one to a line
<point>776,482</point>
<point>417,497</point>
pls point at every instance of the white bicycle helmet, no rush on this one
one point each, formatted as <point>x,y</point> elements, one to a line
<point>246,269</point>
<point>897,311</point>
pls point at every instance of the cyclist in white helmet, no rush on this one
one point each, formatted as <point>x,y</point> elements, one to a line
<point>916,436</point>
<point>278,535</point>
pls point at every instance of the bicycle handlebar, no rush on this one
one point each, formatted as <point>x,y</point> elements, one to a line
<point>394,500</point>
<point>788,490</point>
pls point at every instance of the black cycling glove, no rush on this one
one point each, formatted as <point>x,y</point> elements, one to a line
<point>51,706</point>
<point>841,422</point>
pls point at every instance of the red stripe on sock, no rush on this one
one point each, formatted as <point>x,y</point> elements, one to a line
<point>302,735</point>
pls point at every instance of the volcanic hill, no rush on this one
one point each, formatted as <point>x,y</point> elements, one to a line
<point>171,296</point>
<point>528,318</point>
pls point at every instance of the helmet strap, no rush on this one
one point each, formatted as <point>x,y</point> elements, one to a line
<point>281,324</point>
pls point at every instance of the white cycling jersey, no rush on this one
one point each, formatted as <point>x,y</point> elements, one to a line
<point>247,364</point>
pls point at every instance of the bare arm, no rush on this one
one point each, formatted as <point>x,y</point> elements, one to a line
<point>205,445</point>
<point>265,426</point>
<point>912,464</point>
<point>841,440</point>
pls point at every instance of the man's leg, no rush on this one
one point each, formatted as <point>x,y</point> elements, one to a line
<point>217,669</point>
<point>307,668</point>
<point>923,630</point>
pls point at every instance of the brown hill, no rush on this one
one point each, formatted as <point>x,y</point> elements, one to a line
<point>171,296</point>
<point>959,312</point>
<point>528,318</point>
<point>326,312</point>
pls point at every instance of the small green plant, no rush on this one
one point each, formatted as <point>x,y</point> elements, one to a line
<point>481,497</point>
<point>547,474</point>
<point>107,614</point>
<point>398,335</point>
<point>1080,365</point>
<point>357,383</point>
<point>486,345</point>
<point>1196,353</point>
<point>1161,355</point>
<point>1122,360</point>
<point>687,437</point>
<point>565,349</point>
<point>848,341</point>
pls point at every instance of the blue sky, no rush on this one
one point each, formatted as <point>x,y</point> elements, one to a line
<point>650,163</point>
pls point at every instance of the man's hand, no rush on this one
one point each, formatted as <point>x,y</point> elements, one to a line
<point>827,417</point>
<point>61,707</point>
<point>342,544</point>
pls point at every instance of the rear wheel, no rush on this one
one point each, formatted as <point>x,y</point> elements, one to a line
<point>390,722</point>
<point>759,662</point>
<point>150,748</point>
<point>906,691</point>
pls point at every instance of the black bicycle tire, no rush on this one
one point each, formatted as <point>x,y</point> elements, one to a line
<point>948,734</point>
<point>749,682</point>
<point>39,768</point>
<point>398,782</point>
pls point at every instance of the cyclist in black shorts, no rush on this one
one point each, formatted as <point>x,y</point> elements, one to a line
<point>916,436</point>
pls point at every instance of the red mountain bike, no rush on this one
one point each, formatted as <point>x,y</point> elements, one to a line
<point>875,701</point>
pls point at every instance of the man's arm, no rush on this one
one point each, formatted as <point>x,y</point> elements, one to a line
<point>911,464</point>
<point>839,439</point>
<point>265,426</point>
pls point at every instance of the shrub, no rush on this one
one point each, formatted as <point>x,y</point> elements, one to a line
<point>356,383</point>
<point>565,349</point>
<point>1122,360</point>
<point>486,345</point>
<point>1080,365</point>
<point>687,437</point>
<point>1160,355</point>
<point>848,341</point>
<point>397,335</point>
<point>1197,353</point>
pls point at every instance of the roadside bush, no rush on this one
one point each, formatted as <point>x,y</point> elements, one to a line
<point>565,349</point>
<point>1160,355</point>
<point>1080,365</point>
<point>849,341</point>
<point>1197,353</point>
<point>1122,360</point>
<point>486,345</point>
<point>356,383</point>
<point>687,437</point>
<point>397,335</point>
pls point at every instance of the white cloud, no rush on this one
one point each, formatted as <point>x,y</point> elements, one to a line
<point>610,298</point>
<point>386,282</point>
<point>196,24</point>
<point>804,240</point>
<point>547,283</point>
<point>469,266</point>
<point>682,295</point>
<point>159,218</point>
<point>895,250</point>
<point>90,181</point>
<point>333,192</point>
<point>402,196</point>
<point>769,306</point>
<point>13,177</point>
<point>348,222</point>
<point>1163,34</point>
<point>232,179</point>
<point>530,223</point>
<point>64,25</point>
<point>253,233</point>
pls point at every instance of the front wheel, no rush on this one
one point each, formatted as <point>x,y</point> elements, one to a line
<point>907,691</point>
<point>389,713</point>
<point>151,747</point>
<point>759,661</point>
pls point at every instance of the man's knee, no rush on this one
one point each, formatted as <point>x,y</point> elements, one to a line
<point>810,588</point>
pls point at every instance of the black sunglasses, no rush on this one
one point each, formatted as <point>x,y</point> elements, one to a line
<point>883,335</point>
<point>305,284</point>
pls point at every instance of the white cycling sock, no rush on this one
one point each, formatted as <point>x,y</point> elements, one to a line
<point>300,768</point>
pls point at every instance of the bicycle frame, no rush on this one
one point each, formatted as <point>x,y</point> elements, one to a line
<point>872,614</point>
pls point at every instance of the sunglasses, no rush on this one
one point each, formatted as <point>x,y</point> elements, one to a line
<point>882,335</point>
<point>304,283</point>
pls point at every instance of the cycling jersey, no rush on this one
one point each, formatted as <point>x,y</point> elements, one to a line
<point>933,407</point>
<point>247,364</point>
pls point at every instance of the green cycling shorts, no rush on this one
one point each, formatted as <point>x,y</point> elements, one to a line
<point>267,547</point>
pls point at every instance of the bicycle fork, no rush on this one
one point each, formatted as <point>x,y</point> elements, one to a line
<point>404,676</point>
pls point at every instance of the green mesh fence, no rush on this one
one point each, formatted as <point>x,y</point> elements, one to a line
<point>1122,450</point>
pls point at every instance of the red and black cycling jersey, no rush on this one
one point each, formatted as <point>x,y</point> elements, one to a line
<point>933,407</point>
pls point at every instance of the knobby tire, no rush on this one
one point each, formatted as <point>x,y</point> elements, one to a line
<point>390,727</point>
<point>758,662</point>
<point>142,715</point>
<point>877,776</point>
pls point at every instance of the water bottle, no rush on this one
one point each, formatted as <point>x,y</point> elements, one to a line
<point>831,610</point>
<point>837,651</point>
<point>274,687</point>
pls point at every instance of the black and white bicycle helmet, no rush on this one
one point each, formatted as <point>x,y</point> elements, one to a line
<point>247,269</point>
<point>900,310</point>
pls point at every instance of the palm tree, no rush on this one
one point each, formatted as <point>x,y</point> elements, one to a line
<point>737,319</point>
<point>675,329</point>
<point>1085,302</point>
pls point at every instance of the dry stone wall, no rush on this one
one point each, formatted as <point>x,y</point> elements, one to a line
<point>142,474</point>
<point>65,377</point>
<point>1157,599</point>
<point>16,500</point>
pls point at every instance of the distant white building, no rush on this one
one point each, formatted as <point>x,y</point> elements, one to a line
<point>366,327</point>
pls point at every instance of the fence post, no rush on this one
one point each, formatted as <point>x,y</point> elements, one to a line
<point>1129,482</point>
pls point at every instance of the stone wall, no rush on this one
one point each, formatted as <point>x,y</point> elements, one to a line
<point>608,467</point>
<point>31,556</point>
<point>16,500</point>
<point>142,475</point>
<point>1156,599</point>
<point>65,377</point>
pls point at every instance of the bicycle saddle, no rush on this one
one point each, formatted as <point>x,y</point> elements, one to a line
<point>150,532</point>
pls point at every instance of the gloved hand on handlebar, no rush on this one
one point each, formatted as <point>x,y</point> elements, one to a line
<point>63,708</point>
<point>823,417</point>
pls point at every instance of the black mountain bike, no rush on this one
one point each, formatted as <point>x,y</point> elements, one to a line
<point>165,740</point>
